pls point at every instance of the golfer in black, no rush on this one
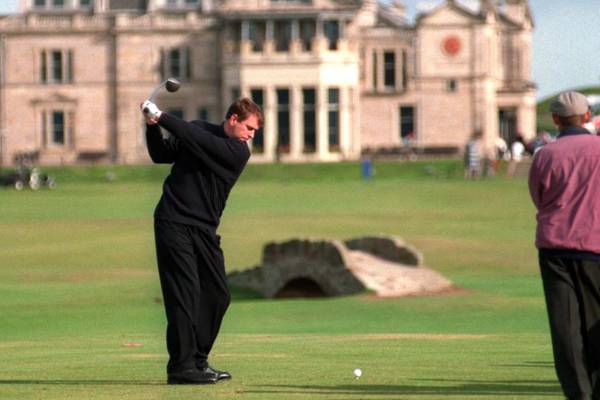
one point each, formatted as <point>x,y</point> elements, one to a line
<point>207,160</point>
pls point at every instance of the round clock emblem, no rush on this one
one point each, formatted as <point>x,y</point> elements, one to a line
<point>451,45</point>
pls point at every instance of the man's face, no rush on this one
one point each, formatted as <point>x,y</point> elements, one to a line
<point>242,130</point>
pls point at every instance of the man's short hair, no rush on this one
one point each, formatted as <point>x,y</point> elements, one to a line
<point>244,108</point>
<point>573,120</point>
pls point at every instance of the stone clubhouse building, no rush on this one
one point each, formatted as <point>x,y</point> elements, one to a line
<point>335,78</point>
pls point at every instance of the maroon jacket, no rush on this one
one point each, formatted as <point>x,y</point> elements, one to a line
<point>564,183</point>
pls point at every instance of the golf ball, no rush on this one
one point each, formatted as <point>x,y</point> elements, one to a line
<point>358,372</point>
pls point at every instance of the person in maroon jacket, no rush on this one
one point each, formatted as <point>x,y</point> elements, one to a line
<point>207,160</point>
<point>564,184</point>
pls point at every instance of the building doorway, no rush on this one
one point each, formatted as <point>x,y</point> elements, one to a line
<point>507,118</point>
<point>407,124</point>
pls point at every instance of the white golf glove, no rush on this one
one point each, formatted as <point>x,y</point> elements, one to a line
<point>151,110</point>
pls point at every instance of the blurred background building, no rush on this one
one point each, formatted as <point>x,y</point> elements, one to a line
<point>335,78</point>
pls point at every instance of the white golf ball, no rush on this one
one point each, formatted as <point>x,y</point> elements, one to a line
<point>358,372</point>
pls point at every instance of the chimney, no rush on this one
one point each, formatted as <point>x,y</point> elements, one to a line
<point>399,7</point>
<point>367,16</point>
<point>515,10</point>
<point>487,7</point>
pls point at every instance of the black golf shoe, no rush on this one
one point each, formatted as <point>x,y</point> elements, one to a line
<point>192,377</point>
<point>221,375</point>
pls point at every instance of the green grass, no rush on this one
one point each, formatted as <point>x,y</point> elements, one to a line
<point>78,281</point>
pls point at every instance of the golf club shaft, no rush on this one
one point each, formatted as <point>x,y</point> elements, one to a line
<point>154,93</point>
<point>156,90</point>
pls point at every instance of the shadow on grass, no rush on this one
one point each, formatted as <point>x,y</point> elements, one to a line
<point>459,388</point>
<point>241,294</point>
<point>529,364</point>
<point>67,382</point>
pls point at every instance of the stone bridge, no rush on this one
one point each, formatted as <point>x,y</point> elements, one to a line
<point>384,265</point>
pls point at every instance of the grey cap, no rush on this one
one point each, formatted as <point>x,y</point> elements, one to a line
<point>570,103</point>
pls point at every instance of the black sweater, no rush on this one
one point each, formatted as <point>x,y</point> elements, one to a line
<point>206,165</point>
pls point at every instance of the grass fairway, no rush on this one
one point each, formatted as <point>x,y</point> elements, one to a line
<point>81,315</point>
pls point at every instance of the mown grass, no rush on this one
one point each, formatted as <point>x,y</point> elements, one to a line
<point>78,283</point>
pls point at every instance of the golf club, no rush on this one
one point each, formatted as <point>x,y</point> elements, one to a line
<point>171,84</point>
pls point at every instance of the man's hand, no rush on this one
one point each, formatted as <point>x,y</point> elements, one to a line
<point>151,112</point>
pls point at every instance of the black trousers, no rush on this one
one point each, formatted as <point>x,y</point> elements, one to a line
<point>572,291</point>
<point>194,288</point>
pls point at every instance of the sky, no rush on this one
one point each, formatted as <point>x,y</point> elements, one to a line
<point>566,40</point>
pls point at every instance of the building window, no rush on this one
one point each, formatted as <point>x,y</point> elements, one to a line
<point>60,4</point>
<point>283,35</point>
<point>389,69</point>
<point>307,34</point>
<point>309,120</point>
<point>233,33</point>
<point>507,119</point>
<point>56,66</point>
<point>331,29</point>
<point>203,113</point>
<point>257,34</point>
<point>258,142</point>
<point>407,124</point>
<point>57,128</point>
<point>176,63</point>
<point>451,85</point>
<point>283,121</point>
<point>333,118</point>
<point>375,70</point>
<point>235,94</point>
<point>404,69</point>
<point>183,3</point>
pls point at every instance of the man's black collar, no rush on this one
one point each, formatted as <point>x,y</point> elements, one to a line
<point>573,130</point>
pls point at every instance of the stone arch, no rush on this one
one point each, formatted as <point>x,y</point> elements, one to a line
<point>321,261</point>
<point>301,287</point>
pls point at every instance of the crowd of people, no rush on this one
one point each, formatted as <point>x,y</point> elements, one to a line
<point>480,163</point>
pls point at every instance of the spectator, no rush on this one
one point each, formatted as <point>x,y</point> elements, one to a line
<point>472,156</point>
<point>517,148</point>
<point>564,183</point>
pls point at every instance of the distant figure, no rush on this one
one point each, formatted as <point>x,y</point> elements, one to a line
<point>407,139</point>
<point>590,125</point>
<point>501,148</point>
<point>564,184</point>
<point>501,153</point>
<point>472,156</point>
<point>366,167</point>
<point>533,146</point>
<point>517,151</point>
<point>517,148</point>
